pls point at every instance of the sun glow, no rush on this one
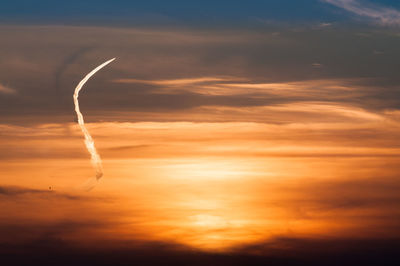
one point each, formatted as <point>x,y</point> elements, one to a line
<point>212,186</point>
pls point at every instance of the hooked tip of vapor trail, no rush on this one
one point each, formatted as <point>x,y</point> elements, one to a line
<point>107,62</point>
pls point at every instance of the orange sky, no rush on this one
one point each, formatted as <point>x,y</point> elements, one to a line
<point>204,146</point>
<point>213,186</point>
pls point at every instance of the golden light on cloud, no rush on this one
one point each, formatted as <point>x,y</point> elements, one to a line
<point>220,145</point>
<point>173,82</point>
<point>255,142</point>
<point>208,160</point>
<point>216,186</point>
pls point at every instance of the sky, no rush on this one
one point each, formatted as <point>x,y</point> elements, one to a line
<point>207,12</point>
<point>230,132</point>
<point>156,12</point>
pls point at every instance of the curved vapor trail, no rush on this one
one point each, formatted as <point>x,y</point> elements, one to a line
<point>95,157</point>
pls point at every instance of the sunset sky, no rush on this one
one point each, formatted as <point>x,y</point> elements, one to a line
<point>230,132</point>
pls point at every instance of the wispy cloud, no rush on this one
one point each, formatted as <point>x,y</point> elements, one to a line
<point>380,14</point>
<point>6,90</point>
<point>12,192</point>
<point>228,68</point>
<point>172,82</point>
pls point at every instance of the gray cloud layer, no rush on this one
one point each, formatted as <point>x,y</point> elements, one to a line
<point>44,64</point>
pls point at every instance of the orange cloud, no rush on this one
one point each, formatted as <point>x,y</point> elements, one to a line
<point>6,90</point>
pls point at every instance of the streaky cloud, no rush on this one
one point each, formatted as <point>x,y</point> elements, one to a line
<point>380,14</point>
<point>6,90</point>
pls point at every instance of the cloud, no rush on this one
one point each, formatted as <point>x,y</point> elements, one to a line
<point>16,191</point>
<point>175,70</point>
<point>6,90</point>
<point>70,59</point>
<point>325,25</point>
<point>380,14</point>
<point>283,111</point>
<point>173,82</point>
<point>316,65</point>
<point>48,248</point>
<point>12,192</point>
<point>315,251</point>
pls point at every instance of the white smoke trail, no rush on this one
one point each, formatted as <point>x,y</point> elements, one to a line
<point>95,157</point>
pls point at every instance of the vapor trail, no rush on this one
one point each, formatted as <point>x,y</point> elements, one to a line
<point>95,157</point>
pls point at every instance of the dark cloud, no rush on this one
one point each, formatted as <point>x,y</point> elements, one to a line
<point>317,251</point>
<point>278,251</point>
<point>67,62</point>
<point>72,241</point>
<point>352,197</point>
<point>13,192</point>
